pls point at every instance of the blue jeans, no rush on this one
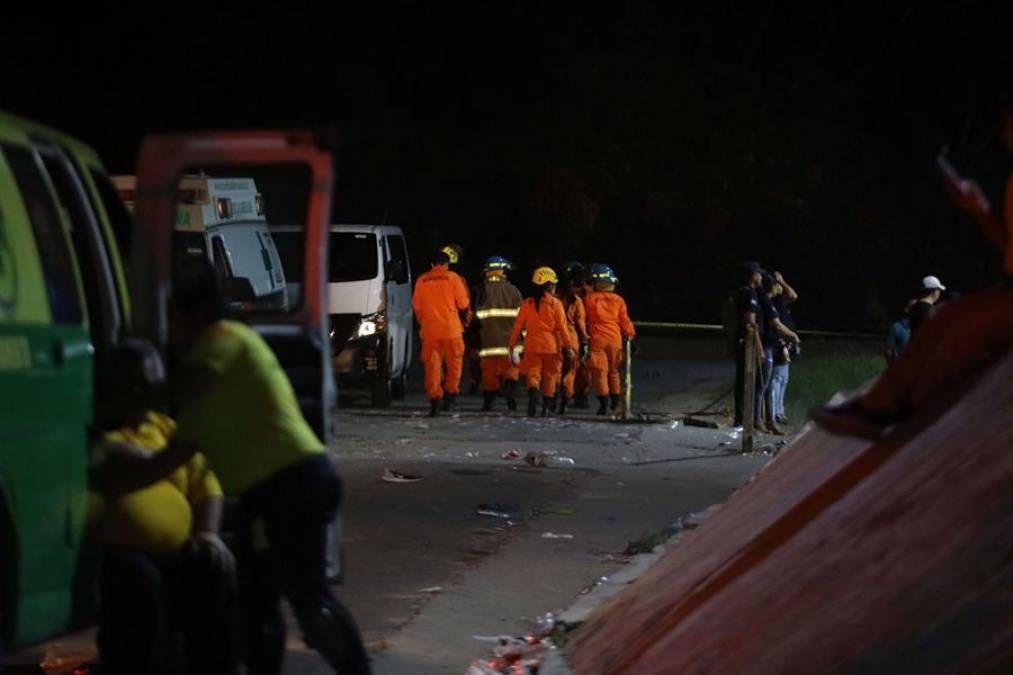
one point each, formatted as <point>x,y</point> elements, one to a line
<point>764,394</point>
<point>779,384</point>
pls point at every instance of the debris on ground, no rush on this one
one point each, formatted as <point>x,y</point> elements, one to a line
<point>516,655</point>
<point>394,476</point>
<point>512,454</point>
<point>535,459</point>
<point>646,543</point>
<point>431,589</point>
<point>496,511</point>
<point>553,535</point>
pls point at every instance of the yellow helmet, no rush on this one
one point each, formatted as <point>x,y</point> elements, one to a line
<point>544,275</point>
<point>453,252</point>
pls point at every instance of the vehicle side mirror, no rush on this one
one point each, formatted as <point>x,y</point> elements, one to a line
<point>395,271</point>
<point>238,290</point>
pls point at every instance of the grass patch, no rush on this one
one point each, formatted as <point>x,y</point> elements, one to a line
<point>826,367</point>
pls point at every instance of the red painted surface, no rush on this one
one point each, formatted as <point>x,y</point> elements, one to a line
<point>841,556</point>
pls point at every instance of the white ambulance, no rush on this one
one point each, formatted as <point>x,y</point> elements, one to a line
<point>223,220</point>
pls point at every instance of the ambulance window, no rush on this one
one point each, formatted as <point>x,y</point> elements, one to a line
<point>221,258</point>
<point>54,252</point>
<point>118,215</point>
<point>89,247</point>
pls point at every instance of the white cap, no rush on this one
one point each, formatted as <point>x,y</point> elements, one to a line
<point>930,282</point>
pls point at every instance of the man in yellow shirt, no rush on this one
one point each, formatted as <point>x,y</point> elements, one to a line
<point>238,406</point>
<point>164,568</point>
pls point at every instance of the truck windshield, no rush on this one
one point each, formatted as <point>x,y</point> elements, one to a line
<point>353,256</point>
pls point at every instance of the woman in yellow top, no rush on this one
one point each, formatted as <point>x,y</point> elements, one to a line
<point>547,341</point>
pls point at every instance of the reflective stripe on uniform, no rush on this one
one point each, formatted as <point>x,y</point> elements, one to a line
<point>498,351</point>
<point>496,313</point>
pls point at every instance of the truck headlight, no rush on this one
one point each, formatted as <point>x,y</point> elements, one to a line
<point>371,325</point>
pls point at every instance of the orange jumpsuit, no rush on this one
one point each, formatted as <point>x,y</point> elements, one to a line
<point>544,342</point>
<point>576,325</point>
<point>438,300</point>
<point>609,324</point>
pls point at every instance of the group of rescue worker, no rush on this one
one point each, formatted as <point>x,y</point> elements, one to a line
<point>565,338</point>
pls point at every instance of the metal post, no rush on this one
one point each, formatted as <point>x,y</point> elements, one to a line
<point>749,387</point>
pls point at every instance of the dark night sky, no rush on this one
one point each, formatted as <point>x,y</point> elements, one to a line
<point>670,142</point>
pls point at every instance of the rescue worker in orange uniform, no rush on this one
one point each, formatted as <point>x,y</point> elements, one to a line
<point>609,324</point>
<point>582,374</point>
<point>547,342</point>
<point>496,302</point>
<point>576,326</point>
<point>439,300</point>
<point>473,368</point>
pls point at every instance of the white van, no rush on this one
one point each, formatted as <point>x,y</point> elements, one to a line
<point>223,220</point>
<point>370,303</point>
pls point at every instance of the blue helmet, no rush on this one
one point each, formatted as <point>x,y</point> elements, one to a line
<point>602,272</point>
<point>497,262</point>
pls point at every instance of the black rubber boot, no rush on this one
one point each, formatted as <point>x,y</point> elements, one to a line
<point>509,390</point>
<point>562,405</point>
<point>434,407</point>
<point>613,402</point>
<point>548,405</point>
<point>580,401</point>
<point>603,405</point>
<point>448,402</point>
<point>487,398</point>
<point>534,396</point>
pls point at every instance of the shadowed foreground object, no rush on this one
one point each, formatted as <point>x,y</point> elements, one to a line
<point>841,556</point>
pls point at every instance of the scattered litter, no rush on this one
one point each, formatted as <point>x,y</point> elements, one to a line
<point>674,425</point>
<point>512,656</point>
<point>723,443</point>
<point>431,589</point>
<point>512,454</point>
<point>471,454</point>
<point>536,459</point>
<point>620,435</point>
<point>553,535</point>
<point>563,460</point>
<point>562,511</point>
<point>546,624</point>
<point>735,435</point>
<point>392,476</point>
<point>496,511</point>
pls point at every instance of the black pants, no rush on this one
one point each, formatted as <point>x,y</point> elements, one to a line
<point>149,603</point>
<point>281,546</point>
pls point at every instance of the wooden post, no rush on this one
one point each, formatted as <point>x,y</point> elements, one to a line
<point>749,388</point>
<point>627,402</point>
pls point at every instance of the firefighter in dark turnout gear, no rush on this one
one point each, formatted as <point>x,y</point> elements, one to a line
<point>496,302</point>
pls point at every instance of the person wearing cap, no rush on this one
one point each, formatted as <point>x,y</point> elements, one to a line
<point>748,312</point>
<point>608,323</point>
<point>928,295</point>
<point>958,341</point>
<point>496,304</point>
<point>547,342</point>
<point>439,300</point>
